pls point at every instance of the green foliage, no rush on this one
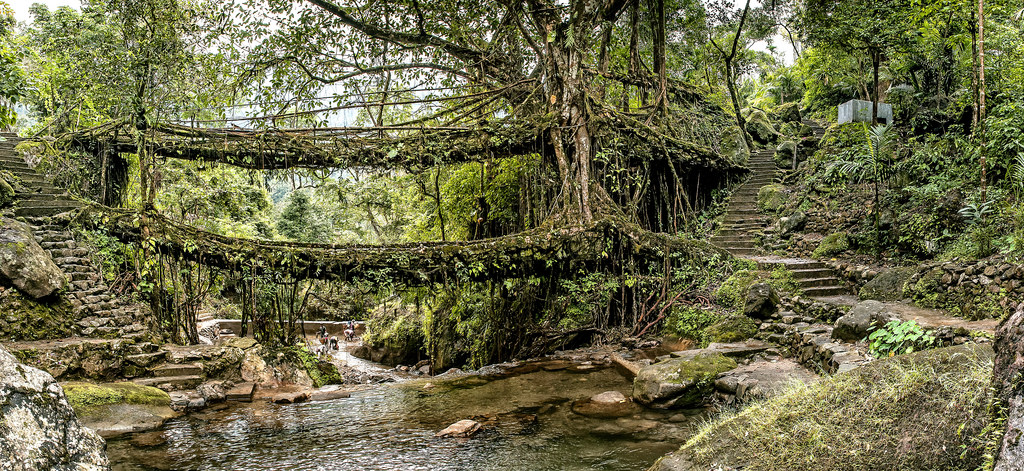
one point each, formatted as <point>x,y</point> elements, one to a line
<point>300,220</point>
<point>733,291</point>
<point>397,327</point>
<point>691,322</point>
<point>735,328</point>
<point>832,244</point>
<point>899,337</point>
<point>321,372</point>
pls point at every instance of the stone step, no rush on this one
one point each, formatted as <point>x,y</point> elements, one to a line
<point>146,359</point>
<point>749,244</point>
<point>43,210</point>
<point>241,392</point>
<point>171,383</point>
<point>176,370</point>
<point>740,251</point>
<point>825,291</point>
<point>811,273</point>
<point>819,282</point>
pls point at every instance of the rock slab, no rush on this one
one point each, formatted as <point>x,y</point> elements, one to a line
<point>24,263</point>
<point>684,381</point>
<point>38,427</point>
<point>461,429</point>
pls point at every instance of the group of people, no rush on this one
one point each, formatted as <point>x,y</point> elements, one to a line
<point>329,343</point>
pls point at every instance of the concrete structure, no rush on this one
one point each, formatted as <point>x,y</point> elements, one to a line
<point>860,111</point>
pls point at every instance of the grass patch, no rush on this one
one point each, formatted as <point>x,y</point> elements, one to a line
<point>85,397</point>
<point>924,411</point>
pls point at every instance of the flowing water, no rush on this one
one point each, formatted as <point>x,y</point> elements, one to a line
<point>528,418</point>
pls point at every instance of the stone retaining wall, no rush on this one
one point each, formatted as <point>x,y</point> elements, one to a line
<point>987,288</point>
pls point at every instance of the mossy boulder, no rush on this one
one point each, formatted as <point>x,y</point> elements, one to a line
<point>24,264</point>
<point>733,291</point>
<point>888,285</point>
<point>394,335</point>
<point>792,223</point>
<point>6,193</point>
<point>760,128</point>
<point>772,198</point>
<point>785,154</point>
<point>789,112</point>
<point>114,409</point>
<point>832,244</point>
<point>680,382</point>
<point>26,319</point>
<point>923,411</point>
<point>733,146</point>
<point>731,329</point>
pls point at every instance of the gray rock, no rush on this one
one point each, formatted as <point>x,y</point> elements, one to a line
<point>607,404</point>
<point>1007,370</point>
<point>888,285</point>
<point>762,301</point>
<point>212,391</point>
<point>38,428</point>
<point>854,326</point>
<point>461,429</point>
<point>792,223</point>
<point>680,382</point>
<point>26,265</point>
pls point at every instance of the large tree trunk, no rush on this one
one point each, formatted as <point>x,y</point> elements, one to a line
<point>733,94</point>
<point>875,59</point>
<point>981,97</point>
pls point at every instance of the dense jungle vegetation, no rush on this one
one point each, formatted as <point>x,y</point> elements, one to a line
<point>453,121</point>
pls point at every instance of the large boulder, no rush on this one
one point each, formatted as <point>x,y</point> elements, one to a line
<point>888,285</point>
<point>38,428</point>
<point>114,409</point>
<point>789,112</point>
<point>24,264</point>
<point>1009,390</point>
<point>792,223</point>
<point>680,382</point>
<point>761,129</point>
<point>761,302</point>
<point>734,328</point>
<point>785,155</point>
<point>854,325</point>
<point>733,145</point>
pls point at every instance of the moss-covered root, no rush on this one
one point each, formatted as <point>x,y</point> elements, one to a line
<point>924,411</point>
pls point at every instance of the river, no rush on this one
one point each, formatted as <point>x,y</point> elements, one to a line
<point>528,418</point>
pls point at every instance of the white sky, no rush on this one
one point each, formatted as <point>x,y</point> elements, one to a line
<point>20,7</point>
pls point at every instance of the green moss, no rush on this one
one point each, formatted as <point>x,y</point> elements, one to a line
<point>731,329</point>
<point>321,372</point>
<point>85,397</point>
<point>733,291</point>
<point>700,373</point>
<point>832,244</point>
<point>920,411</point>
<point>691,322</point>
<point>772,198</point>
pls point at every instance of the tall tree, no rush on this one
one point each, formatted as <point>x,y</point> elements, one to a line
<point>875,28</point>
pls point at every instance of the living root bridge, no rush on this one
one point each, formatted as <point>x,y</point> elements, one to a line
<point>523,254</point>
<point>389,147</point>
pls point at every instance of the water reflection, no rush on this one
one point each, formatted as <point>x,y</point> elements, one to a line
<point>528,419</point>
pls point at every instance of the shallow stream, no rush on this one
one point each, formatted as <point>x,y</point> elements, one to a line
<point>528,425</point>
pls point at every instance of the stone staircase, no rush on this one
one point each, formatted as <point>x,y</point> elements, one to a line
<point>98,314</point>
<point>743,220</point>
<point>173,376</point>
<point>37,198</point>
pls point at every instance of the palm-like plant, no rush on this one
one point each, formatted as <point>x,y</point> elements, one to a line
<point>874,164</point>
